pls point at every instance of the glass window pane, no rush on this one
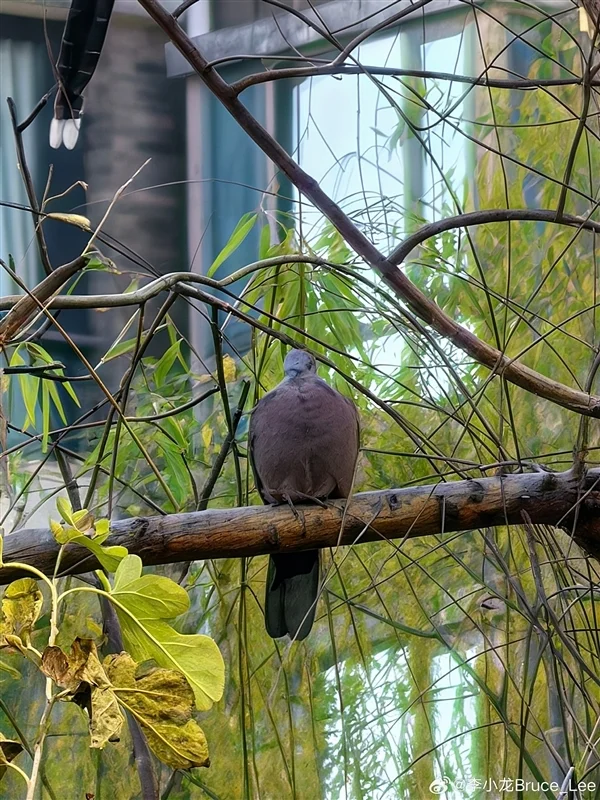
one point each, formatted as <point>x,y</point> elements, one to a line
<point>349,151</point>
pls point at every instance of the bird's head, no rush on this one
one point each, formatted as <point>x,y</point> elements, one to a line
<point>298,363</point>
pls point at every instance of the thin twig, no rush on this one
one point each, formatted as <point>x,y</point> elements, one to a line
<point>421,305</point>
<point>28,180</point>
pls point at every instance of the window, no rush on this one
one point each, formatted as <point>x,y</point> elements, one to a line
<point>365,155</point>
<point>21,69</point>
<point>25,75</point>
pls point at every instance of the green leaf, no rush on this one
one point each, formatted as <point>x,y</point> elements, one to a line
<point>151,596</point>
<point>119,349</point>
<point>242,229</point>
<point>130,569</point>
<point>45,416</point>
<point>69,390</point>
<point>264,242</point>
<point>29,385</point>
<point>85,532</point>
<point>110,557</point>
<point>171,330</point>
<point>179,482</point>
<point>97,261</point>
<point>173,428</point>
<point>166,362</point>
<point>102,527</point>
<point>14,673</point>
<point>55,398</point>
<point>142,605</point>
<point>64,508</point>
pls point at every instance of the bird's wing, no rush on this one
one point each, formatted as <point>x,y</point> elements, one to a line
<point>89,54</point>
<point>256,419</point>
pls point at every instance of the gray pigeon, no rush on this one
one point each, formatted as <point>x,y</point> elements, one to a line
<point>303,448</point>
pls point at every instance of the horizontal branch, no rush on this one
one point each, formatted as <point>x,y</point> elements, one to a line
<point>168,281</point>
<point>559,499</point>
<point>524,84</point>
<point>517,373</point>
<point>176,280</point>
<point>488,216</point>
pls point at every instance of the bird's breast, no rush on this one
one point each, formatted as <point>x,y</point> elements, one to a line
<point>304,441</point>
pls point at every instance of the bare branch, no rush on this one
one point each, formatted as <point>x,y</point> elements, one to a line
<point>26,175</point>
<point>170,280</point>
<point>426,309</point>
<point>183,7</point>
<point>486,216</point>
<point>524,84</point>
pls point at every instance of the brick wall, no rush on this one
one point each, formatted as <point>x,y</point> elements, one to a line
<point>133,112</point>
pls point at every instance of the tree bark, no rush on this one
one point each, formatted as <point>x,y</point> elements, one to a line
<point>567,500</point>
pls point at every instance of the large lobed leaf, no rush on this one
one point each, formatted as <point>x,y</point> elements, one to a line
<point>143,603</point>
<point>162,701</point>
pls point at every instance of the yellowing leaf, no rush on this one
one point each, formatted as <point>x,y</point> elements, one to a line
<point>142,604</point>
<point>21,606</point>
<point>57,530</point>
<point>88,685</point>
<point>68,671</point>
<point>161,701</point>
<point>72,219</point>
<point>201,378</point>
<point>195,655</point>
<point>106,719</point>
<point>83,521</point>
<point>65,509</point>
<point>206,434</point>
<point>229,369</point>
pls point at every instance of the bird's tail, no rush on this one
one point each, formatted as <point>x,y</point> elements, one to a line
<point>292,591</point>
<point>81,45</point>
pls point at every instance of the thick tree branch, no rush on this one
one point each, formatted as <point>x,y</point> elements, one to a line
<point>422,306</point>
<point>487,216</point>
<point>163,283</point>
<point>563,499</point>
<point>28,305</point>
